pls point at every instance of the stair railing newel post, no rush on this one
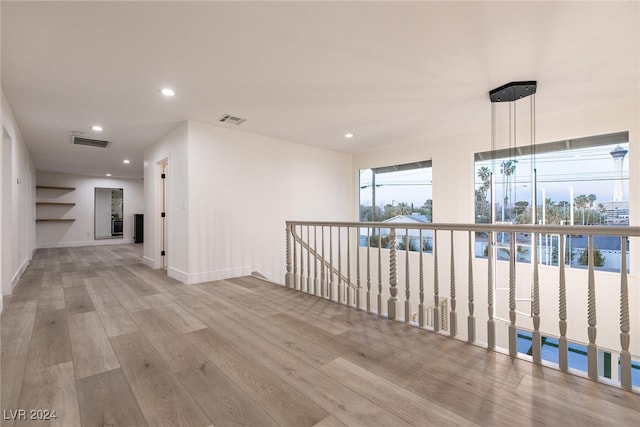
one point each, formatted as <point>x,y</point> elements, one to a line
<point>592,349</point>
<point>393,275</point>
<point>421,320</point>
<point>308,279</point>
<point>379,273</point>
<point>296,278</point>
<point>323,267</point>
<point>436,286</point>
<point>368,270</point>
<point>407,289</point>
<point>536,341</point>
<point>302,280</point>
<point>513,336</point>
<point>453,319</point>
<point>491,324</point>
<point>625,338</point>
<point>316,283</point>
<point>340,282</point>
<point>471,320</point>
<point>330,290</point>
<point>563,345</point>
<point>347,288</point>
<point>358,285</point>
<point>288,278</point>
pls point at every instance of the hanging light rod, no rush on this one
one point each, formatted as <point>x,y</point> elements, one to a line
<point>513,91</point>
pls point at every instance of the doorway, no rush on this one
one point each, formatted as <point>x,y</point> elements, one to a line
<point>7,202</point>
<point>162,199</point>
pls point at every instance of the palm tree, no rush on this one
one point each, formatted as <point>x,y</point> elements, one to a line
<point>581,203</point>
<point>484,173</point>
<point>507,168</point>
<point>403,209</point>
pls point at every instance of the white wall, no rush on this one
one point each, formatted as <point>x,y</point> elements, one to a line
<point>174,148</point>
<point>453,177</point>
<point>242,189</point>
<point>81,231</point>
<point>18,196</point>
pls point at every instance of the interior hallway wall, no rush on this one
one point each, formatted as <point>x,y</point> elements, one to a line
<point>242,189</point>
<point>18,202</point>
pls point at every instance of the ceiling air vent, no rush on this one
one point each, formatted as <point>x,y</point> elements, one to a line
<point>228,118</point>
<point>77,140</point>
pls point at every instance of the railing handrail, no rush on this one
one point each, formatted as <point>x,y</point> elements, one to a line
<point>324,262</point>
<point>596,230</point>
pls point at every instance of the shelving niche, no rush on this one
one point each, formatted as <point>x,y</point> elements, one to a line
<point>56,190</point>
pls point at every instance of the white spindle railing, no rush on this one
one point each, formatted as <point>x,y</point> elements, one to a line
<point>331,277</point>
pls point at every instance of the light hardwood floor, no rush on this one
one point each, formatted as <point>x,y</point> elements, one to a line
<point>103,340</point>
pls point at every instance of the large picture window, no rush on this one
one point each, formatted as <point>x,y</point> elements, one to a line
<point>578,182</point>
<point>397,194</point>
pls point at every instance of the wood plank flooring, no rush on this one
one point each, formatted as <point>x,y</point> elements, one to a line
<point>102,340</point>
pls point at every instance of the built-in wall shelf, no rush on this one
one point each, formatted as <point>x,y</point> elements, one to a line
<point>56,203</point>
<point>45,205</point>
<point>47,187</point>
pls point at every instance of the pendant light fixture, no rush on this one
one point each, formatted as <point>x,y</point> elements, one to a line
<point>507,97</point>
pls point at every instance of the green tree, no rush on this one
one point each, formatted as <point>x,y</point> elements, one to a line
<point>598,258</point>
<point>484,173</point>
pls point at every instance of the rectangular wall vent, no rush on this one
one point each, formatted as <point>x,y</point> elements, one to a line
<point>77,140</point>
<point>228,118</point>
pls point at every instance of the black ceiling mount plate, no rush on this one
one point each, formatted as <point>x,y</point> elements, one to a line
<point>513,91</point>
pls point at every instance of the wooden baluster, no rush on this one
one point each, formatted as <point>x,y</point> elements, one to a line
<point>379,273</point>
<point>348,285</point>
<point>315,260</point>
<point>421,305</point>
<point>592,349</point>
<point>301,281</point>
<point>536,341</point>
<point>295,262</point>
<point>323,267</point>
<point>308,260</point>
<point>368,270</point>
<point>288,278</point>
<point>491,324</point>
<point>407,289</point>
<point>357,302</point>
<point>393,276</point>
<point>513,335</point>
<point>471,320</point>
<point>453,319</point>
<point>563,348</point>
<point>436,287</point>
<point>330,287</point>
<point>625,338</point>
<point>340,282</point>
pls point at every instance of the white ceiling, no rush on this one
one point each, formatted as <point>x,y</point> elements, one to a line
<point>390,72</point>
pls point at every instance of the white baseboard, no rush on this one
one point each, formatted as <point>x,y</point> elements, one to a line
<point>180,275</point>
<point>84,243</point>
<point>208,276</point>
<point>149,262</point>
<point>16,277</point>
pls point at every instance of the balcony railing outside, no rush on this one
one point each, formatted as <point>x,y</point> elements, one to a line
<point>348,263</point>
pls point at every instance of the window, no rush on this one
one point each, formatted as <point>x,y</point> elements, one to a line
<point>397,194</point>
<point>581,182</point>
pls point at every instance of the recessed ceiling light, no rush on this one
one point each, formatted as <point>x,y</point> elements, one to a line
<point>97,128</point>
<point>107,174</point>
<point>348,135</point>
<point>126,162</point>
<point>167,92</point>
